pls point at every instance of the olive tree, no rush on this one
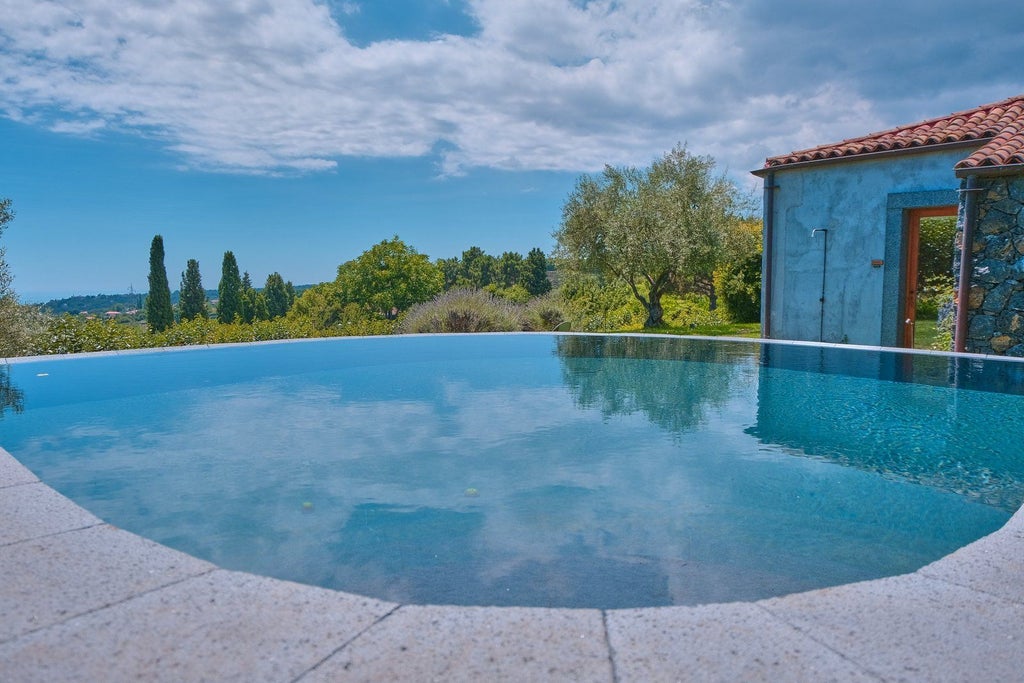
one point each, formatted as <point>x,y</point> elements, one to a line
<point>649,227</point>
<point>10,340</point>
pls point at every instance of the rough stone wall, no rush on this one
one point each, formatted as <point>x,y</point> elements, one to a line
<point>996,305</point>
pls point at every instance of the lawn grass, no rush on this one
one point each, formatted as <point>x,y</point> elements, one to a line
<point>927,335</point>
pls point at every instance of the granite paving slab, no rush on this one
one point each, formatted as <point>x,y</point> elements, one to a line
<point>13,472</point>
<point>994,565</point>
<point>910,628</point>
<point>726,642</point>
<point>221,626</point>
<point>33,510</point>
<point>444,643</point>
<point>68,574</point>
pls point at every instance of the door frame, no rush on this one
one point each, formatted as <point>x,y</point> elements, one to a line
<point>911,253</point>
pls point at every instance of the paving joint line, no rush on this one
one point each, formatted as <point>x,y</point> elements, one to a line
<point>99,608</point>
<point>608,644</point>
<point>55,533</point>
<point>345,644</point>
<point>806,634</point>
<point>20,483</point>
<point>973,589</point>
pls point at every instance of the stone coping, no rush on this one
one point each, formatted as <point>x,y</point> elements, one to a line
<point>81,600</point>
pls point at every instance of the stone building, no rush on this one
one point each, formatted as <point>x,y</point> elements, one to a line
<point>842,222</point>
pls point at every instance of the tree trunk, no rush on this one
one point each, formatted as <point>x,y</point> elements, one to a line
<point>654,311</point>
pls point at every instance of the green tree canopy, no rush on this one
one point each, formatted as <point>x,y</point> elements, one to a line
<point>159,313</point>
<point>935,254</point>
<point>739,280</point>
<point>6,280</point>
<point>9,309</point>
<point>193,297</point>
<point>510,269</point>
<point>535,273</point>
<point>478,268</point>
<point>276,293</point>
<point>389,277</point>
<point>648,227</point>
<point>247,300</point>
<point>229,291</point>
<point>322,305</point>
<point>451,269</point>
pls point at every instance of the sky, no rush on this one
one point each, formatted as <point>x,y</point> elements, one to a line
<point>298,133</point>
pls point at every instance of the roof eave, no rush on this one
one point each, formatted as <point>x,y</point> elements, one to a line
<point>922,149</point>
<point>989,171</point>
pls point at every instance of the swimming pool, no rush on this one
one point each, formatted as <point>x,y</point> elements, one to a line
<point>555,470</point>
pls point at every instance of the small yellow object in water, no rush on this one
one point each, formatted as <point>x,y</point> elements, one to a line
<point>472,493</point>
<point>307,505</point>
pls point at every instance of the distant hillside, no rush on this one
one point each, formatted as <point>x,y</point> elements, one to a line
<point>96,303</point>
<point>101,303</point>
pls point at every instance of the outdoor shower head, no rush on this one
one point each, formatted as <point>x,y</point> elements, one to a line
<point>817,230</point>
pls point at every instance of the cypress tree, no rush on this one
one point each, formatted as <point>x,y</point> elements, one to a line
<point>229,291</point>
<point>248,299</point>
<point>535,272</point>
<point>159,313</point>
<point>259,306</point>
<point>277,296</point>
<point>193,296</point>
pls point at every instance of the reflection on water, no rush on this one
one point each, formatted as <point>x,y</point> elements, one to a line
<point>625,375</point>
<point>867,410</point>
<point>11,397</point>
<point>523,470</point>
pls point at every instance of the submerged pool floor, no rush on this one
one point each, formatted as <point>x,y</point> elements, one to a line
<point>82,600</point>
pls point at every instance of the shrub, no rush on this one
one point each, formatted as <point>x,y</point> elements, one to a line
<point>355,321</point>
<point>739,289</point>
<point>19,327</point>
<point>516,293</point>
<point>594,305</point>
<point>543,313</point>
<point>462,310</point>
<point>68,334</point>
<point>936,292</point>
<point>692,310</point>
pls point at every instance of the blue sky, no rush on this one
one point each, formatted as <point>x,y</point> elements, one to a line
<point>297,133</point>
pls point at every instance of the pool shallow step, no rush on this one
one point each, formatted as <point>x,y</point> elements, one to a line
<point>82,600</point>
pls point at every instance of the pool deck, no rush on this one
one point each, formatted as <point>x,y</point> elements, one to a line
<point>81,600</point>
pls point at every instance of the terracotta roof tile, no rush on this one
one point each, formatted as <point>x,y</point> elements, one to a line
<point>1000,123</point>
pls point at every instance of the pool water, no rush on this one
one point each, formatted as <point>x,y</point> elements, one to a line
<point>533,470</point>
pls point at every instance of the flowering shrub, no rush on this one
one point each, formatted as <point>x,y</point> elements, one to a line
<point>462,310</point>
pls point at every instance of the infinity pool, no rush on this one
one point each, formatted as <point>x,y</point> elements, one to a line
<point>533,470</point>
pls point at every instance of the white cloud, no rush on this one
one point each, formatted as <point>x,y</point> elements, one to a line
<point>273,85</point>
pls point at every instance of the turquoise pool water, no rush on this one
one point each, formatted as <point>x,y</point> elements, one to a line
<point>569,471</point>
